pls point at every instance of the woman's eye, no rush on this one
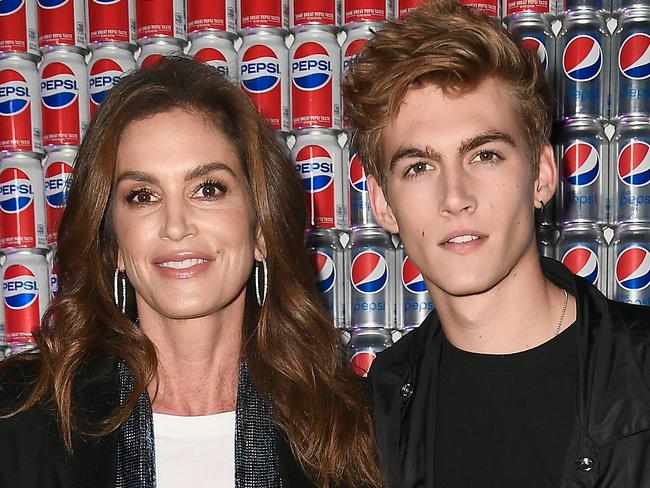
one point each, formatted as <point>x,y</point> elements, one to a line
<point>140,197</point>
<point>210,190</point>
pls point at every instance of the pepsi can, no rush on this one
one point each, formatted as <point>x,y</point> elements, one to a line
<point>19,28</point>
<point>370,262</point>
<point>154,49</point>
<point>631,71</point>
<point>318,161</point>
<point>618,6</point>
<point>630,169</point>
<point>64,98</point>
<point>582,248</point>
<point>54,274</point>
<point>603,6</point>
<point>363,347</point>
<point>263,60</point>
<point>112,21</point>
<point>272,14</point>
<point>413,301</point>
<point>515,7</point>
<point>359,209</point>
<point>25,290</point>
<point>219,16</point>
<point>161,18</point>
<point>630,257</point>
<point>57,178</point>
<point>584,175</point>
<point>367,11</point>
<point>62,23</point>
<point>357,37</point>
<point>318,12</point>
<point>108,63</point>
<point>20,106</point>
<point>583,72</point>
<point>326,256</point>
<point>535,34</point>
<point>403,7</point>
<point>491,8</point>
<point>216,51</point>
<point>546,241</point>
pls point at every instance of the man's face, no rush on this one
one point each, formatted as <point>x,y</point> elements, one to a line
<point>461,187</point>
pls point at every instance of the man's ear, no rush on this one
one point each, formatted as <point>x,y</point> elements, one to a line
<point>547,176</point>
<point>380,206</point>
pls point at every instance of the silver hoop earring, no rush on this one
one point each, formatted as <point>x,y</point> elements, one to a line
<point>120,275</point>
<point>261,298</point>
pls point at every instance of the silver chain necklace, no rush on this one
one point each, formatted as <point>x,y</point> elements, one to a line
<point>566,302</point>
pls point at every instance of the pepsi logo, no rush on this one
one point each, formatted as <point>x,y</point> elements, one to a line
<point>19,287</point>
<point>582,261</point>
<point>58,86</point>
<point>311,67</point>
<point>412,279</point>
<point>634,57</point>
<point>8,7</point>
<point>107,2</point>
<point>633,268</point>
<point>633,165</point>
<point>357,174</point>
<point>315,168</point>
<point>150,60</point>
<point>325,271</point>
<point>52,3</point>
<point>351,50</point>
<point>582,59</point>
<point>580,164</point>
<point>369,272</point>
<point>57,180</point>
<point>213,57</point>
<point>14,92</point>
<point>259,69</point>
<point>360,363</point>
<point>104,74</point>
<point>16,191</point>
<point>537,47</point>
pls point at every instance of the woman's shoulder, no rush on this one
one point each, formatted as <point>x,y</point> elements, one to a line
<point>18,375</point>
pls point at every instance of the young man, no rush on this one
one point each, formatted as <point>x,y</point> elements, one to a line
<point>525,376</point>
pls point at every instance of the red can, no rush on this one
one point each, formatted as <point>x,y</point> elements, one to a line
<point>403,7</point>
<point>111,21</point>
<point>208,47</point>
<point>57,177</point>
<point>264,13</point>
<point>153,50</point>
<point>54,274</point>
<point>107,65</point>
<point>491,8</point>
<point>161,18</point>
<point>214,15</point>
<point>61,23</point>
<point>367,11</point>
<point>511,7</point>
<point>19,28</point>
<point>319,12</point>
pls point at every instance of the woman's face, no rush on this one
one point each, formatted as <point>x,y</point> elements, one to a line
<point>182,216</point>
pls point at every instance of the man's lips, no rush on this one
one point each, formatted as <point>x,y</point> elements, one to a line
<point>462,237</point>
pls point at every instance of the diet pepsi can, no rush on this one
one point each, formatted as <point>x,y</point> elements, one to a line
<point>535,34</point>
<point>62,23</point>
<point>630,169</point>
<point>367,11</point>
<point>370,262</point>
<point>603,6</point>
<point>582,248</point>
<point>216,51</point>
<point>326,256</point>
<point>161,18</point>
<point>413,301</point>
<point>618,6</point>
<point>359,209</point>
<point>315,60</point>
<point>314,12</point>
<point>263,60</point>
<point>19,29</point>
<point>272,14</point>
<point>491,8</point>
<point>154,49</point>
<point>546,241</point>
<point>318,161</point>
<point>108,63</point>
<point>25,290</point>
<point>57,177</point>
<point>216,16</point>
<point>584,174</point>
<point>631,69</point>
<point>20,106</point>
<point>112,21</point>
<point>630,257</point>
<point>363,347</point>
<point>583,71</point>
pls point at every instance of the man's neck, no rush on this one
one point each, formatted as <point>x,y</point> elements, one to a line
<point>520,312</point>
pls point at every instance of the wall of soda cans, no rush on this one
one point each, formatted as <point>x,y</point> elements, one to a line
<point>59,58</point>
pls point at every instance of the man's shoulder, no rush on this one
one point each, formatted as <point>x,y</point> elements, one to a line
<point>635,318</point>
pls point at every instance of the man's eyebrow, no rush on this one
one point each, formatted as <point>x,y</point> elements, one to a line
<point>414,152</point>
<point>198,172</point>
<point>485,138</point>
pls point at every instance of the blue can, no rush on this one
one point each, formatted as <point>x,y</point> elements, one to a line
<point>629,279</point>
<point>583,249</point>
<point>533,31</point>
<point>413,300</point>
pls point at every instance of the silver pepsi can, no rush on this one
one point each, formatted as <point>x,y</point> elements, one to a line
<point>630,257</point>
<point>359,209</point>
<point>534,32</point>
<point>618,6</point>
<point>327,257</point>
<point>584,176</point>
<point>413,302</point>
<point>582,248</point>
<point>370,262</point>
<point>630,171</point>
<point>363,347</point>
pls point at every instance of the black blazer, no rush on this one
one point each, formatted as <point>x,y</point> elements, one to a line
<point>32,454</point>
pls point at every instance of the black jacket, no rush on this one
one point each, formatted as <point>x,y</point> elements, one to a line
<point>32,454</point>
<point>610,445</point>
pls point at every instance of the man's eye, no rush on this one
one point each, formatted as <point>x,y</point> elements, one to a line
<point>417,168</point>
<point>487,157</point>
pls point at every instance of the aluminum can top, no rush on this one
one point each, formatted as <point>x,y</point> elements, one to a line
<point>581,227</point>
<point>316,132</point>
<point>631,227</point>
<point>329,235</point>
<point>528,19</point>
<point>369,233</point>
<point>20,252</point>
<point>582,124</point>
<point>332,29</point>
<point>583,16</point>
<point>631,123</point>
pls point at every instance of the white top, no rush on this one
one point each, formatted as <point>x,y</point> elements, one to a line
<point>197,452</point>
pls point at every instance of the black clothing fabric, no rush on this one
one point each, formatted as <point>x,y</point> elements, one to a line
<point>503,421</point>
<point>32,454</point>
<point>610,443</point>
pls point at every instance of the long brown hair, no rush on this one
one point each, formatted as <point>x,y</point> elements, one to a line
<point>289,345</point>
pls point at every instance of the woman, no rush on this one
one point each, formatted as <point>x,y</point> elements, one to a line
<point>187,346</point>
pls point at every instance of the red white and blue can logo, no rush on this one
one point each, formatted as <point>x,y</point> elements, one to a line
<point>412,279</point>
<point>316,170</point>
<point>369,272</point>
<point>633,269</point>
<point>20,291</point>
<point>104,74</point>
<point>60,102</point>
<point>17,213</point>
<point>361,362</point>
<point>325,271</point>
<point>57,179</point>
<point>583,262</point>
<point>634,57</point>
<point>581,164</point>
<point>15,112</point>
<point>536,47</point>
<point>633,165</point>
<point>311,87</point>
<point>216,59</point>
<point>582,59</point>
